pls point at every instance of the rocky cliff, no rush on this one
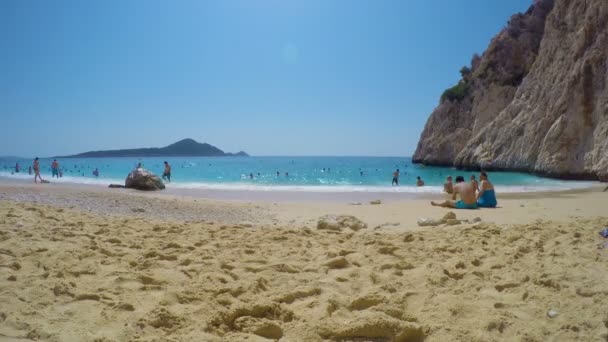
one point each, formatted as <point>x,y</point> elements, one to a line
<point>535,101</point>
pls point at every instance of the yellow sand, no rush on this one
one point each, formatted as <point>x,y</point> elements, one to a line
<point>66,275</point>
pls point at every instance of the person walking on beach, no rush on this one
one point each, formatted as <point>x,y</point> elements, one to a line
<point>36,168</point>
<point>167,172</point>
<point>486,197</point>
<point>395,178</point>
<point>419,181</point>
<point>54,169</point>
<point>467,200</point>
<point>448,186</point>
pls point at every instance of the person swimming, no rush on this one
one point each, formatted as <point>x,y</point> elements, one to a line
<point>419,181</point>
<point>486,197</point>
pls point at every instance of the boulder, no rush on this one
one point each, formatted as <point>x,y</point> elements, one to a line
<point>449,218</point>
<point>333,222</point>
<point>425,222</point>
<point>142,179</point>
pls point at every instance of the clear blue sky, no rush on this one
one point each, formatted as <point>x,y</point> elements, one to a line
<point>271,77</point>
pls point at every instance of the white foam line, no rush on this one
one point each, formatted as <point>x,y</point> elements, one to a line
<point>559,186</point>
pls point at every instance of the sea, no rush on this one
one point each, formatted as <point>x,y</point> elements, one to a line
<point>312,174</point>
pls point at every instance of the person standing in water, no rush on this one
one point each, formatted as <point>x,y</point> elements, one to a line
<point>29,170</point>
<point>395,178</point>
<point>36,168</point>
<point>17,168</point>
<point>54,169</point>
<point>96,172</point>
<point>167,172</point>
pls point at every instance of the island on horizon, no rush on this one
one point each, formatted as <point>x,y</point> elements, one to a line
<point>183,148</point>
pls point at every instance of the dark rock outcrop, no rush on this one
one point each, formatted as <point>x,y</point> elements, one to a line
<point>116,186</point>
<point>183,148</point>
<point>142,179</point>
<point>535,101</point>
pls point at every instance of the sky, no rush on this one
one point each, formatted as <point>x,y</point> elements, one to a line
<point>270,77</point>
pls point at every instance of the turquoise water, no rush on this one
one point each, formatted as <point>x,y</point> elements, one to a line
<point>304,173</point>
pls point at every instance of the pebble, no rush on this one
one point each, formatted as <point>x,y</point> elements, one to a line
<point>552,313</point>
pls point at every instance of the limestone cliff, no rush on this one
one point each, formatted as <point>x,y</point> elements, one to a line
<point>535,101</point>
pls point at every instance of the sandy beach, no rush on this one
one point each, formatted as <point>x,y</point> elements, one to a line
<point>94,264</point>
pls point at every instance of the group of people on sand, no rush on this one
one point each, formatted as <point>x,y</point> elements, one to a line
<point>472,194</point>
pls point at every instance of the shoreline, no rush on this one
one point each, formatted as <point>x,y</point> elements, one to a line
<point>281,193</point>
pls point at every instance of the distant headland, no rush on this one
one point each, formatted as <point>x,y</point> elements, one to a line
<point>182,148</point>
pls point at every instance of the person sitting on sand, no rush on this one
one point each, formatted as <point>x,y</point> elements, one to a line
<point>467,196</point>
<point>419,181</point>
<point>448,186</point>
<point>474,183</point>
<point>486,197</point>
<point>36,168</point>
<point>167,172</point>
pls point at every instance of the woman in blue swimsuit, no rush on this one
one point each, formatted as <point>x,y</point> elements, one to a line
<point>486,197</point>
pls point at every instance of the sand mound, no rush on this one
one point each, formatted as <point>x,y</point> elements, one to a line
<point>66,275</point>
